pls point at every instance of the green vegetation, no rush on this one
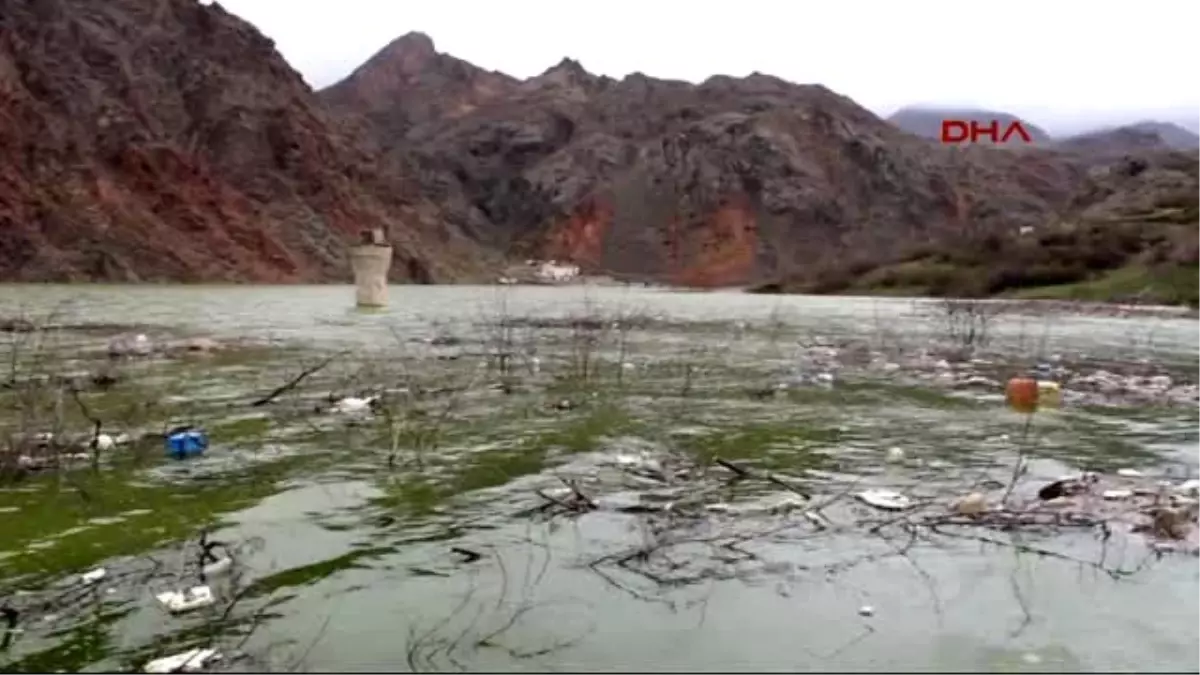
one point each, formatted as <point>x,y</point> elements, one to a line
<point>1179,285</point>
<point>1147,255</point>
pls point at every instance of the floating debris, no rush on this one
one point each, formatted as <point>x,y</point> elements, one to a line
<point>354,404</point>
<point>1049,394</point>
<point>558,493</point>
<point>1054,490</point>
<point>887,500</point>
<point>1189,487</point>
<point>866,610</point>
<point>972,505</point>
<point>178,602</point>
<point>641,464</point>
<point>190,661</point>
<point>186,441</point>
<point>130,345</point>
<point>93,576</point>
<point>1173,523</point>
<point>1117,494</point>
<point>1130,473</point>
<point>103,442</point>
<point>218,567</point>
<point>1067,485</point>
<point>895,454</point>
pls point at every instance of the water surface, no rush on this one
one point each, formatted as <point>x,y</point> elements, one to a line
<point>346,559</point>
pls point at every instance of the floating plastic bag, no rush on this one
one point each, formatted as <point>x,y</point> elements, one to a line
<point>885,499</point>
<point>185,662</point>
<point>178,602</point>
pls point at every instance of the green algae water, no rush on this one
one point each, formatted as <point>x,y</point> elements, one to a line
<point>543,488</point>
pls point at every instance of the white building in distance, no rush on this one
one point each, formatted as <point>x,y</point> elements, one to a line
<point>551,271</point>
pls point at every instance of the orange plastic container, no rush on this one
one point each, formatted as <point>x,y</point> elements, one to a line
<point>1022,394</point>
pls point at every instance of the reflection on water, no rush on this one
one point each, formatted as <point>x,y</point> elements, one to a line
<point>349,565</point>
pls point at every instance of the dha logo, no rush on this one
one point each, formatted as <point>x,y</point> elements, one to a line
<point>970,131</point>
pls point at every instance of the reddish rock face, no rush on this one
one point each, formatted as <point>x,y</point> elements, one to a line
<point>580,237</point>
<point>168,140</point>
<point>726,250</point>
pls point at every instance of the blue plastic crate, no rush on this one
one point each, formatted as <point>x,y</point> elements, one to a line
<point>184,442</point>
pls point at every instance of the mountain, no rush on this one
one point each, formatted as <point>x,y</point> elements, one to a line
<point>1134,137</point>
<point>1108,144</point>
<point>926,122</point>
<point>1172,135</point>
<point>427,85</point>
<point>168,140</point>
<point>729,182</point>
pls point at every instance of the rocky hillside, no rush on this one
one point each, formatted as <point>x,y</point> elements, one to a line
<point>1134,138</point>
<point>729,182</point>
<point>408,83</point>
<point>1173,135</point>
<point>1130,235</point>
<point>168,140</point>
<point>1111,144</point>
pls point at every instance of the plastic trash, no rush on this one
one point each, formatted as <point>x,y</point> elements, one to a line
<point>971,505</point>
<point>190,661</point>
<point>895,454</point>
<point>353,404</point>
<point>1021,394</point>
<point>40,439</point>
<point>1189,487</point>
<point>558,493</point>
<point>1049,394</point>
<point>186,441</point>
<point>885,499</point>
<point>866,610</point>
<point>218,567</point>
<point>93,576</point>
<point>130,345</point>
<point>1130,473</point>
<point>178,602</point>
<point>1117,494</point>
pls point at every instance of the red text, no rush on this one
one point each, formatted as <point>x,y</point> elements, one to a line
<point>970,131</point>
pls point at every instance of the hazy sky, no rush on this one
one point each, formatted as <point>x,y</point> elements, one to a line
<point>1057,62</point>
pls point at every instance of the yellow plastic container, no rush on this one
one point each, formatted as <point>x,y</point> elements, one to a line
<point>1049,394</point>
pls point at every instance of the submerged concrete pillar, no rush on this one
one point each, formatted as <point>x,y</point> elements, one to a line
<point>371,261</point>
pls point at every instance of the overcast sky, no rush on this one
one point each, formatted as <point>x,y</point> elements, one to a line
<point>1058,63</point>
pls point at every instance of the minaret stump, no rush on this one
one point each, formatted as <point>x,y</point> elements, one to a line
<point>371,260</point>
